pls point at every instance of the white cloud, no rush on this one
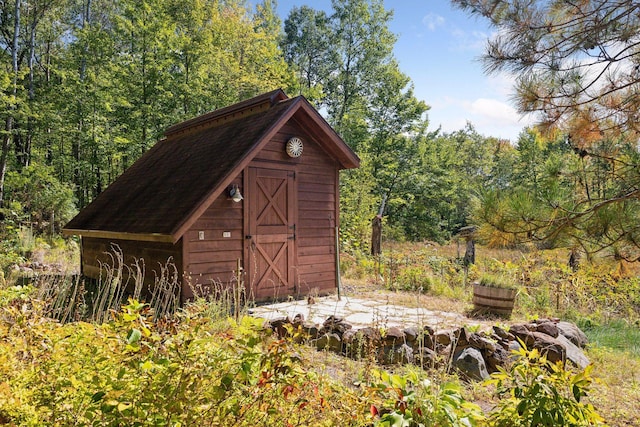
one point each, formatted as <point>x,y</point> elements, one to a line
<point>472,41</point>
<point>489,116</point>
<point>487,110</point>
<point>502,84</point>
<point>492,110</point>
<point>432,21</point>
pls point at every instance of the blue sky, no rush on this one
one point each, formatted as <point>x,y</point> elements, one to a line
<point>438,47</point>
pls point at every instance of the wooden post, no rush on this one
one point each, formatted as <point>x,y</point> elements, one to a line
<point>468,233</point>
<point>338,283</point>
<point>239,289</point>
<point>470,252</point>
<point>376,229</point>
<point>574,259</point>
<point>376,235</point>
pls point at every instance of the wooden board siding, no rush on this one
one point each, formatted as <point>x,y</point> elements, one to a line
<point>210,258</point>
<point>173,203</point>
<point>95,251</point>
<point>270,237</point>
<point>317,207</point>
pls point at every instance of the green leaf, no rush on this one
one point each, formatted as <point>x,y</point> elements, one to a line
<point>134,336</point>
<point>98,396</point>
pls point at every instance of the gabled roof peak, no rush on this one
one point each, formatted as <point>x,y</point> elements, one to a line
<point>167,189</point>
<point>226,114</point>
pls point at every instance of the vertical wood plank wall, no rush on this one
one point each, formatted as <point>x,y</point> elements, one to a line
<point>154,254</point>
<point>316,183</point>
<point>211,258</point>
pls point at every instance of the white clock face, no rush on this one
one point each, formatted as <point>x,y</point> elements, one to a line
<point>294,147</point>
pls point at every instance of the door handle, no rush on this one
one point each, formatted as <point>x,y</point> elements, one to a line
<point>253,243</point>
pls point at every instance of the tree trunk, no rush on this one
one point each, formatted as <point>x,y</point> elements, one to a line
<point>6,143</point>
<point>76,150</point>
<point>26,149</point>
<point>6,140</point>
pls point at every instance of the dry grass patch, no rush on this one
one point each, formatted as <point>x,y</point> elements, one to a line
<point>367,290</point>
<point>617,394</point>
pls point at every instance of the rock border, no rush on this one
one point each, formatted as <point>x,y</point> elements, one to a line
<point>474,354</point>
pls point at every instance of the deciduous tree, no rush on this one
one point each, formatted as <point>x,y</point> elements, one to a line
<point>345,63</point>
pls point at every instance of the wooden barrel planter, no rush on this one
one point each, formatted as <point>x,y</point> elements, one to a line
<point>487,299</point>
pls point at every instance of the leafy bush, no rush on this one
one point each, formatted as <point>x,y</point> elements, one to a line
<point>410,401</point>
<point>202,368</point>
<point>132,371</point>
<point>534,392</point>
<point>414,279</point>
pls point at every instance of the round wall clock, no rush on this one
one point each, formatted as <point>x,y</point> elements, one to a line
<point>294,147</point>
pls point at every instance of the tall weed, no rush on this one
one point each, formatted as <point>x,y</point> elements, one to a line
<point>134,371</point>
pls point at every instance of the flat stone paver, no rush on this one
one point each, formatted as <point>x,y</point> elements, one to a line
<point>364,312</point>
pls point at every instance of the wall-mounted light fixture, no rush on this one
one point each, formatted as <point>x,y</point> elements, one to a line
<point>234,194</point>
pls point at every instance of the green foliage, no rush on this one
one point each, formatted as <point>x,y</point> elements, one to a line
<point>410,401</point>
<point>37,199</point>
<point>12,294</point>
<point>358,266</point>
<point>214,370</point>
<point>346,65</point>
<point>535,392</point>
<point>190,370</point>
<point>497,281</point>
<point>547,286</point>
<point>413,278</point>
<point>307,48</point>
<point>618,334</point>
<point>434,200</point>
<point>548,61</point>
<point>576,186</point>
<point>404,266</point>
<point>110,78</point>
<point>358,205</point>
<point>429,181</point>
<point>13,248</point>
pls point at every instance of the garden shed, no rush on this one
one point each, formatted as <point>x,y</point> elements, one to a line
<point>254,185</point>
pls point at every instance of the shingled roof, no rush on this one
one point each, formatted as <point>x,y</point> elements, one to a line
<point>164,191</point>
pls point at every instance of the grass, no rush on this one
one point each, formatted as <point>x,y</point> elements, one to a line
<point>617,393</point>
<point>618,335</point>
<point>606,292</point>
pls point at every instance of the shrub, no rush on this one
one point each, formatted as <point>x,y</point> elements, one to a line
<point>409,401</point>
<point>414,278</point>
<point>535,393</point>
<point>180,371</point>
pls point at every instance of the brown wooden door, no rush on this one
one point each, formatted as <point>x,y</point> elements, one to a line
<point>271,234</point>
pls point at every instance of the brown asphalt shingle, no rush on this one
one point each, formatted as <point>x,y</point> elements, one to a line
<point>160,189</point>
<point>164,189</point>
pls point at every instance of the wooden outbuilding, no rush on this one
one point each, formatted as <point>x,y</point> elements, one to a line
<point>255,185</point>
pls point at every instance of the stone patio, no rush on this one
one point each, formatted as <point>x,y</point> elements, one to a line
<point>365,312</point>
